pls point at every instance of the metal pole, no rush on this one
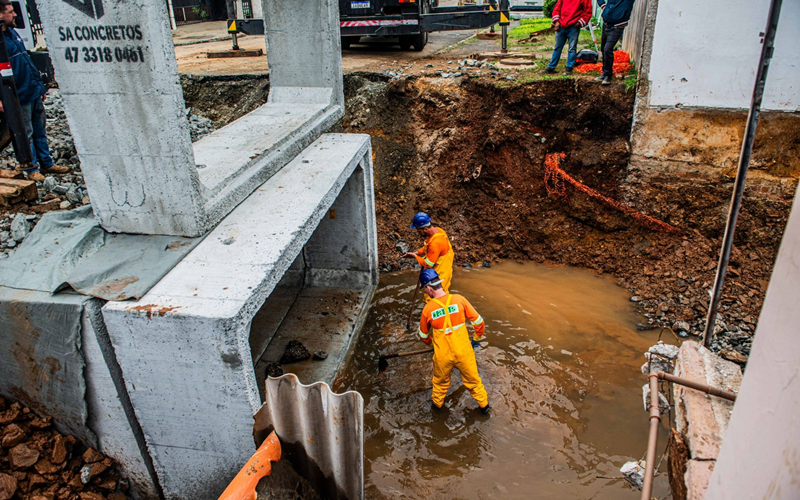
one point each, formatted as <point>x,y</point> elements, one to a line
<point>504,48</point>
<point>13,110</point>
<point>652,440</point>
<point>741,173</point>
<point>231,5</point>
<point>691,384</point>
<point>172,22</point>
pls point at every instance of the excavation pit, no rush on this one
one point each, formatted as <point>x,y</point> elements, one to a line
<point>561,367</point>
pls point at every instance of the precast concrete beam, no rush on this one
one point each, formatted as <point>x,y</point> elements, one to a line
<point>185,348</point>
<point>116,68</point>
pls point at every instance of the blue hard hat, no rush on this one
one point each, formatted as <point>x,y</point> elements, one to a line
<point>429,277</point>
<point>420,220</point>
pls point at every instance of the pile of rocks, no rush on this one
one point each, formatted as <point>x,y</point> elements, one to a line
<point>39,463</point>
<point>14,230</point>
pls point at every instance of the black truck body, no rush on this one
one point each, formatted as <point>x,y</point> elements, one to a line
<point>409,20</point>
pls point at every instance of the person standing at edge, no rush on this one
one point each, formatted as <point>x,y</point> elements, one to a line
<point>31,93</point>
<point>437,253</point>
<point>616,14</point>
<point>444,324</point>
<point>569,16</point>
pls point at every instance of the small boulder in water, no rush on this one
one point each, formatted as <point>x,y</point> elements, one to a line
<point>274,370</point>
<point>295,351</point>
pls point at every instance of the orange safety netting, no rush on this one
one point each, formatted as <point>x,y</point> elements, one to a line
<point>555,178</point>
<point>622,64</point>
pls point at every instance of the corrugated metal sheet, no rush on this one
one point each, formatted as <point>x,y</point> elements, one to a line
<point>321,433</point>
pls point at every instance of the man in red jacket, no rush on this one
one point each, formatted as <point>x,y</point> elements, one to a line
<point>569,16</point>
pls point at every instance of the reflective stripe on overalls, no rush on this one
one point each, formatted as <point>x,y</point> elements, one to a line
<point>448,321</point>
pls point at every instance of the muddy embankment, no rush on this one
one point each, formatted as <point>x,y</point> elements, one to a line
<point>471,153</point>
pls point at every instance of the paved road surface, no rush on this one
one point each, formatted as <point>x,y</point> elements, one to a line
<point>192,58</point>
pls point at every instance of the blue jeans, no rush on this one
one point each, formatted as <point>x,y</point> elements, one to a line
<point>562,36</point>
<point>35,123</point>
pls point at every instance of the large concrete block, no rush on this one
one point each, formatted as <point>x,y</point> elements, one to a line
<point>185,347</point>
<point>116,67</point>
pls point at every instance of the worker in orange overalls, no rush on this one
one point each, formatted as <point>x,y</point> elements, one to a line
<point>444,324</point>
<point>437,253</point>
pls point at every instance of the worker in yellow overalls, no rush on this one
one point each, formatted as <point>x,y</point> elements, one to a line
<point>437,253</point>
<point>444,324</point>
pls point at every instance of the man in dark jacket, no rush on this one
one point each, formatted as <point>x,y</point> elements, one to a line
<point>569,16</point>
<point>616,14</point>
<point>31,93</point>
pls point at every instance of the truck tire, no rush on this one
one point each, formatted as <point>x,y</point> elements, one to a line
<point>406,41</point>
<point>420,40</point>
<point>346,41</point>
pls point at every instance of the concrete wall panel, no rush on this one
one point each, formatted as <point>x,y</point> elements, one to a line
<point>184,348</point>
<point>116,68</point>
<point>107,416</point>
<point>760,457</point>
<point>705,54</point>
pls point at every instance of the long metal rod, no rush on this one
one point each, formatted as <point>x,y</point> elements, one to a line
<point>655,420</point>
<point>714,391</point>
<point>744,164</point>
<point>652,440</point>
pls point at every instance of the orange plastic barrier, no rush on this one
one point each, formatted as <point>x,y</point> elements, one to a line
<point>554,178</point>
<point>622,64</point>
<point>243,486</point>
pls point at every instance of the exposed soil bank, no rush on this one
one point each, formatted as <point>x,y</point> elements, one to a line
<point>471,153</point>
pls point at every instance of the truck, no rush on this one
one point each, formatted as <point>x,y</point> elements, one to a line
<point>410,21</point>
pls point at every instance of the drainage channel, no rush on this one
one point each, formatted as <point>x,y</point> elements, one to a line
<point>562,371</point>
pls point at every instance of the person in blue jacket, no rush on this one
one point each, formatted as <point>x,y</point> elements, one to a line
<point>615,14</point>
<point>31,93</point>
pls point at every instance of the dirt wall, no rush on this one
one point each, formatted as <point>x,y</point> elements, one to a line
<point>471,153</point>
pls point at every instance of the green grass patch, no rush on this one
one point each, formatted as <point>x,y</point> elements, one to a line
<point>528,26</point>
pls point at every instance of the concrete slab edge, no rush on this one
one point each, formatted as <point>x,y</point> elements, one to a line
<point>239,187</point>
<point>93,311</point>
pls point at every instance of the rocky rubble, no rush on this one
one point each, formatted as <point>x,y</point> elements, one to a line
<point>39,463</point>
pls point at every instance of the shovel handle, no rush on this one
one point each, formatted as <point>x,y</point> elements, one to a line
<point>409,353</point>
<point>413,305</point>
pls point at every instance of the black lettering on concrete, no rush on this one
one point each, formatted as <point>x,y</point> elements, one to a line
<point>92,8</point>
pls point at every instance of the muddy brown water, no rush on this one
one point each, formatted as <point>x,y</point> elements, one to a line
<point>562,370</point>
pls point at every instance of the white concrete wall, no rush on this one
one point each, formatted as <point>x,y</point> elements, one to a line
<point>343,251</point>
<point>760,457</point>
<point>705,54</point>
<point>107,415</point>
